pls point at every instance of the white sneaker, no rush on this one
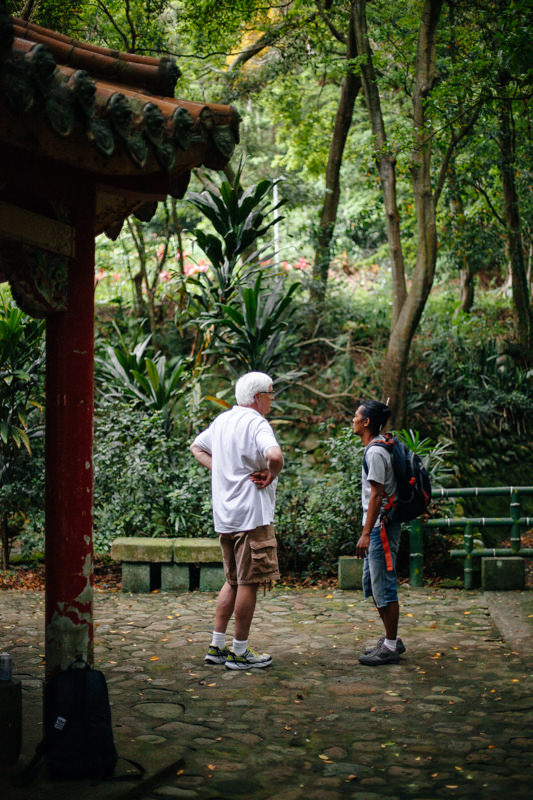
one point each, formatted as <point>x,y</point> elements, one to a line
<point>248,660</point>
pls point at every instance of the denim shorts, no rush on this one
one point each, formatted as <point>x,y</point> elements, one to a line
<point>377,582</point>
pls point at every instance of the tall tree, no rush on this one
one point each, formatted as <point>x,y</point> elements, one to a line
<point>296,34</point>
<point>350,86</point>
<point>427,180</point>
<point>522,307</point>
<point>407,306</point>
<point>513,89</point>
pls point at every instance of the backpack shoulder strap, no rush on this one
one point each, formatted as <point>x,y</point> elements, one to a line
<point>127,776</point>
<point>386,441</point>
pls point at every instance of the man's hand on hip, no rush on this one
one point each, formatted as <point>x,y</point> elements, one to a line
<point>262,478</point>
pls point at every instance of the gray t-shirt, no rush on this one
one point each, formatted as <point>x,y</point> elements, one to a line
<point>379,463</point>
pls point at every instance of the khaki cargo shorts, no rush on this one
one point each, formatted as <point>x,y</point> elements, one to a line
<point>250,556</point>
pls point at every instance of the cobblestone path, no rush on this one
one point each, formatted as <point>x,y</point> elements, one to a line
<point>453,720</point>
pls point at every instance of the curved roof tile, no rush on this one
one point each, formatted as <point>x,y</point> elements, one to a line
<point>113,113</point>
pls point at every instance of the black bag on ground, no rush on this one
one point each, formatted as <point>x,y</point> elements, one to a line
<point>78,735</point>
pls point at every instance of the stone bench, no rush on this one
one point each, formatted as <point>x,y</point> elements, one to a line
<point>503,574</point>
<point>171,565</point>
<point>350,572</point>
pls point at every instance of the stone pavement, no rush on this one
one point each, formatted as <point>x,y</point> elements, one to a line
<point>453,720</point>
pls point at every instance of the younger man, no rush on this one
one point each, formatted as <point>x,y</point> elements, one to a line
<point>379,579</point>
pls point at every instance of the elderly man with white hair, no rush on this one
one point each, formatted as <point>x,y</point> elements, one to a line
<point>240,449</point>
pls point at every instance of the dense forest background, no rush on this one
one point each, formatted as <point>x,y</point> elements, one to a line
<point>372,236</point>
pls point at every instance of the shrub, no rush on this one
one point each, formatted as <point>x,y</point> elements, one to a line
<point>21,404</point>
<point>319,515</point>
<point>146,482</point>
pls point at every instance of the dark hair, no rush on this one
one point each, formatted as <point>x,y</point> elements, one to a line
<point>377,412</point>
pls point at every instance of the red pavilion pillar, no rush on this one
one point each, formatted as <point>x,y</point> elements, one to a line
<point>69,467</point>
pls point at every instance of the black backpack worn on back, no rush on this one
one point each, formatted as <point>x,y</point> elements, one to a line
<point>78,734</point>
<point>413,492</point>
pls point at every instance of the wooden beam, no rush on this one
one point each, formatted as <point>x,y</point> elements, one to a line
<point>35,229</point>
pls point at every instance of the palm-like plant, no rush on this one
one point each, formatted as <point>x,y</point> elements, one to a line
<point>154,383</point>
<point>245,314</point>
<point>434,455</point>
<point>239,218</point>
<point>255,334</point>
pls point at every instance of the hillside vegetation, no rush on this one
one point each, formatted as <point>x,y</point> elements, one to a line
<point>372,237</point>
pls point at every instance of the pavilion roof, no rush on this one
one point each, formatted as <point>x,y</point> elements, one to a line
<point>111,114</point>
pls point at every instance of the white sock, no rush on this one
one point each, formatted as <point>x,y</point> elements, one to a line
<point>390,643</point>
<point>239,647</point>
<point>219,640</point>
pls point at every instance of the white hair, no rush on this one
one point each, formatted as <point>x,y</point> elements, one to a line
<point>249,385</point>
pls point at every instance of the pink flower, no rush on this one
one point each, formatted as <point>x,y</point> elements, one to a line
<point>165,276</point>
<point>193,269</point>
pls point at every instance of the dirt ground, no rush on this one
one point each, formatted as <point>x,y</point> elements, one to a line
<point>24,576</point>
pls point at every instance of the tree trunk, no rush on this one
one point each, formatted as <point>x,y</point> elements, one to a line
<point>384,158</point>
<point>466,298</point>
<point>457,215</point>
<point>138,286</point>
<point>407,308</point>
<point>349,90</point>
<point>28,10</point>
<point>178,230</point>
<point>4,536</point>
<point>521,295</point>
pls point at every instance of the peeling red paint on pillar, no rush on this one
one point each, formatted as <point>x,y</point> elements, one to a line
<point>69,470</point>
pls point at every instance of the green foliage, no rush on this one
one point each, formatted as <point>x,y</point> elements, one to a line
<point>435,456</point>
<point>246,312</point>
<point>319,515</point>
<point>240,219</point>
<point>254,336</point>
<point>146,483</point>
<point>21,358</point>
<point>21,405</point>
<point>133,26</point>
<point>479,386</point>
<point>153,384</point>
<point>466,381</point>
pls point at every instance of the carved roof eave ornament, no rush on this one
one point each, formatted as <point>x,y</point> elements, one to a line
<point>111,114</point>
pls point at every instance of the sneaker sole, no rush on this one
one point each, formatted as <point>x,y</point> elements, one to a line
<point>401,650</point>
<point>369,663</point>
<point>214,661</point>
<point>260,665</point>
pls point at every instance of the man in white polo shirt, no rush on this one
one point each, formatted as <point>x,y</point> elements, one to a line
<point>240,449</point>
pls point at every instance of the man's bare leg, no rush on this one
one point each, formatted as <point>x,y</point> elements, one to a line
<point>242,600</point>
<point>389,615</point>
<point>225,607</point>
<point>244,609</point>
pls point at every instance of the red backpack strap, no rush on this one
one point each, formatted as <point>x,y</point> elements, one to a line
<point>386,547</point>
